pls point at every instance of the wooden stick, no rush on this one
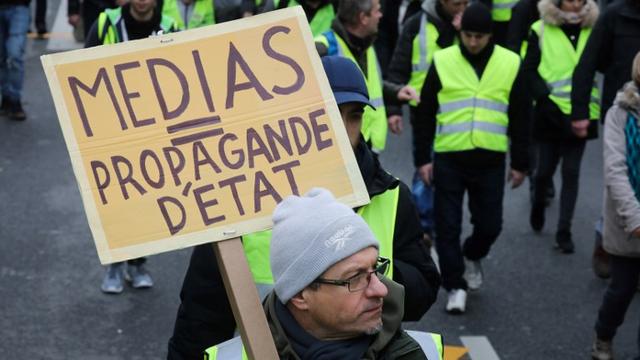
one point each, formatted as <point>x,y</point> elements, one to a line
<point>244,300</point>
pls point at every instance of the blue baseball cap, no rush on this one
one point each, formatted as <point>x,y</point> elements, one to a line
<point>346,80</point>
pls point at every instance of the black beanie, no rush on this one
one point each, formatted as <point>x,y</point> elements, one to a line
<point>477,18</point>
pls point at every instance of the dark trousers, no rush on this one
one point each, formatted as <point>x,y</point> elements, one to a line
<point>616,300</point>
<point>41,16</point>
<point>485,187</point>
<point>549,154</point>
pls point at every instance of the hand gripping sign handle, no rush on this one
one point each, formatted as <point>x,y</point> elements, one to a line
<point>244,300</point>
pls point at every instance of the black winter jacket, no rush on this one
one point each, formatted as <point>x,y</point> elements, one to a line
<point>388,29</point>
<point>614,42</point>
<point>205,318</point>
<point>523,15</point>
<point>399,71</point>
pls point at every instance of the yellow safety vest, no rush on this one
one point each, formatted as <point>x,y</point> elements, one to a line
<point>473,112</point>
<point>558,60</point>
<point>374,122</point>
<point>111,28</point>
<point>321,21</point>
<point>424,46</point>
<point>379,214</point>
<point>430,343</point>
<point>203,13</point>
<point>501,10</point>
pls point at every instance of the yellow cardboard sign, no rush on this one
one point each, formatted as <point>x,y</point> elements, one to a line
<point>194,137</point>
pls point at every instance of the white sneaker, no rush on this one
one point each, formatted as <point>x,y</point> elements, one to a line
<point>457,301</point>
<point>473,274</point>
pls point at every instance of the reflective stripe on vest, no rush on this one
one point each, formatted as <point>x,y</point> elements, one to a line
<point>501,10</point>
<point>322,19</point>
<point>424,46</point>
<point>203,13</point>
<point>112,29</point>
<point>228,350</point>
<point>473,112</point>
<point>558,60</point>
<point>430,343</point>
<point>374,122</point>
<point>379,214</point>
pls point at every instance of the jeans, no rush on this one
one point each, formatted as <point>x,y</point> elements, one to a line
<point>616,300</point>
<point>550,154</point>
<point>486,190</point>
<point>14,24</point>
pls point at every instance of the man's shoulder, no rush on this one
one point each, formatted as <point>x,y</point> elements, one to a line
<point>403,346</point>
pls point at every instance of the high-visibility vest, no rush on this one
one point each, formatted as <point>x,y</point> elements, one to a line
<point>424,46</point>
<point>501,10</point>
<point>321,21</point>
<point>473,112</point>
<point>112,30</point>
<point>374,122</point>
<point>430,343</point>
<point>558,60</point>
<point>379,214</point>
<point>203,13</point>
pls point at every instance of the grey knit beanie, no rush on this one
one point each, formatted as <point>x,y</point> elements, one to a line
<point>310,234</point>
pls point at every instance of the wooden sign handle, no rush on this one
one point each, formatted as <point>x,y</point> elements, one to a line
<point>244,300</point>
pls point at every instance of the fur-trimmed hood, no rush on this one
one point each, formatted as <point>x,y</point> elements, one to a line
<point>628,98</point>
<point>551,14</point>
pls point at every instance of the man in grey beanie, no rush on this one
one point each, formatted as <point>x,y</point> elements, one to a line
<point>331,299</point>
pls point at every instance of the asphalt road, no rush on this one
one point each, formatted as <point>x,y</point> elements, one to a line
<point>535,304</point>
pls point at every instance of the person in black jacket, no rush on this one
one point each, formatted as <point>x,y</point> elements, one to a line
<point>205,318</point>
<point>523,15</point>
<point>551,125</point>
<point>614,41</point>
<point>460,165</point>
<point>395,14</point>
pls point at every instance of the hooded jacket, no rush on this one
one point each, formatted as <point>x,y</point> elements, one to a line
<point>549,123</point>
<point>621,207</point>
<point>399,71</point>
<point>389,344</point>
<point>613,43</point>
<point>205,318</point>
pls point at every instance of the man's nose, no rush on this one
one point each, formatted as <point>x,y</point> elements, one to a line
<point>376,288</point>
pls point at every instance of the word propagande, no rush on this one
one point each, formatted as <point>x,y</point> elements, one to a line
<point>228,161</point>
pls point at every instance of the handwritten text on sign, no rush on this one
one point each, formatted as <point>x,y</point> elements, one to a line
<point>187,137</point>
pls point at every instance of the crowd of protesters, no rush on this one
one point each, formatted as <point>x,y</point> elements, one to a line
<point>493,89</point>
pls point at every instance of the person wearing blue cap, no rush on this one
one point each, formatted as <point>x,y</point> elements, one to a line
<point>205,317</point>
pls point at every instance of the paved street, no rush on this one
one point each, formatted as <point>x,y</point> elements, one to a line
<point>536,303</point>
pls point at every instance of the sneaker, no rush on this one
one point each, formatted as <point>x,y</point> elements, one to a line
<point>113,280</point>
<point>564,242</point>
<point>601,350</point>
<point>15,111</point>
<point>457,301</point>
<point>473,274</point>
<point>536,219</point>
<point>138,276</point>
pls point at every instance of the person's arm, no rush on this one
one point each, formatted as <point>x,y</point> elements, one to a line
<point>413,266</point>
<point>204,317</point>
<point>518,26</point>
<point>595,57</point>
<point>93,39</point>
<point>616,172</point>
<point>424,124</point>
<point>518,112</point>
<point>536,85</point>
<point>399,71</point>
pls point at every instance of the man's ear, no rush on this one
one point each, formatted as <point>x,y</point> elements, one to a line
<point>299,300</point>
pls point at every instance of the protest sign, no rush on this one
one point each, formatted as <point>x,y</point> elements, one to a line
<point>194,137</point>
